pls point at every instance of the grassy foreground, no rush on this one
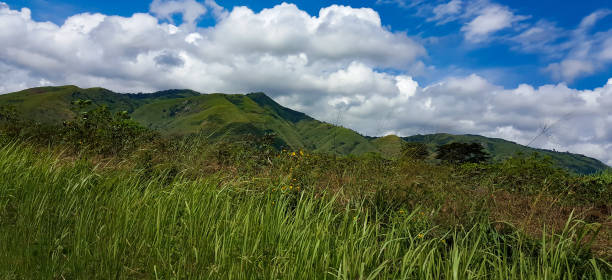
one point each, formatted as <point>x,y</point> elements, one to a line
<point>71,219</point>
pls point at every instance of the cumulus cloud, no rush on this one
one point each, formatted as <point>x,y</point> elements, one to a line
<point>325,65</point>
<point>551,116</point>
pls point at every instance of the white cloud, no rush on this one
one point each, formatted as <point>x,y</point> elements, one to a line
<point>585,53</point>
<point>569,53</point>
<point>489,19</point>
<point>323,65</point>
<point>542,37</point>
<point>589,21</point>
<point>446,12</point>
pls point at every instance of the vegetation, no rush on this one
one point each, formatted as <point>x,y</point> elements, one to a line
<point>154,206</point>
<point>500,150</point>
<point>459,153</point>
<point>229,117</point>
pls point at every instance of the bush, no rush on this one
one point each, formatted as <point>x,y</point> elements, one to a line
<point>100,131</point>
<point>10,123</point>
<point>529,174</point>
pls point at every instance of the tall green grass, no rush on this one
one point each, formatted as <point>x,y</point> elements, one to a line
<point>71,220</point>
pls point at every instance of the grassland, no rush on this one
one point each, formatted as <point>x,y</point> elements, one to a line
<point>193,212</point>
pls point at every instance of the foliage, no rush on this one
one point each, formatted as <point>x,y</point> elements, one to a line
<point>102,131</point>
<point>529,173</point>
<point>73,220</point>
<point>9,121</point>
<point>414,150</point>
<point>596,187</point>
<point>500,149</point>
<point>458,153</point>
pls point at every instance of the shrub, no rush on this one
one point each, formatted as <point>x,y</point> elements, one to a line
<point>529,174</point>
<point>100,131</point>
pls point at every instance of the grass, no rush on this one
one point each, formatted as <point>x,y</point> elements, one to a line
<point>66,217</point>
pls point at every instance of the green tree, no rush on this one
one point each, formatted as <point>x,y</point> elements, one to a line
<point>459,153</point>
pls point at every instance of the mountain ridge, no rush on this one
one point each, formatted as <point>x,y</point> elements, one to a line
<point>231,116</point>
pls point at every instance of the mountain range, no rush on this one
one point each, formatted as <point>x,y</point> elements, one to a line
<point>228,116</point>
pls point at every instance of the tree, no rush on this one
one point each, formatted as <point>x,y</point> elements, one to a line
<point>101,131</point>
<point>459,153</point>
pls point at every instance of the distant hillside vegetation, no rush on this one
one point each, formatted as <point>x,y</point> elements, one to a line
<point>220,116</point>
<point>500,149</point>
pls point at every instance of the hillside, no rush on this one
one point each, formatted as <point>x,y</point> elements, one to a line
<point>180,112</point>
<point>500,149</point>
<point>231,116</point>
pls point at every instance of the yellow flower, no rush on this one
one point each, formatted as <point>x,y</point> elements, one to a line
<point>290,187</point>
<point>420,235</point>
<point>292,154</point>
<point>401,211</point>
<point>283,188</point>
<point>301,153</point>
<point>297,188</point>
<point>422,213</point>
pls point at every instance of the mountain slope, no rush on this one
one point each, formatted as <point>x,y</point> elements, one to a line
<point>218,116</point>
<point>231,116</point>
<point>500,149</point>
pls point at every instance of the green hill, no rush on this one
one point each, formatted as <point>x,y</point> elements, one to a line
<point>231,116</point>
<point>500,149</point>
<point>389,146</point>
<point>218,116</point>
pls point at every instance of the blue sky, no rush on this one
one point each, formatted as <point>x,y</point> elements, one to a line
<point>497,68</point>
<point>495,59</point>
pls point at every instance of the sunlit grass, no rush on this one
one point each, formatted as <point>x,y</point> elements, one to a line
<point>71,220</point>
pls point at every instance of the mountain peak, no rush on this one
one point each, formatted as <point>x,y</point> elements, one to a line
<point>265,101</point>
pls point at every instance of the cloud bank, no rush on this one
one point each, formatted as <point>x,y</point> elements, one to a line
<point>342,61</point>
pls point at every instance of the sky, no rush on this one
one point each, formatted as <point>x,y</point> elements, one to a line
<point>533,72</point>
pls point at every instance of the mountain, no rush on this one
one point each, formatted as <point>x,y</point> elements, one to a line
<point>500,149</point>
<point>231,116</point>
<point>218,116</point>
